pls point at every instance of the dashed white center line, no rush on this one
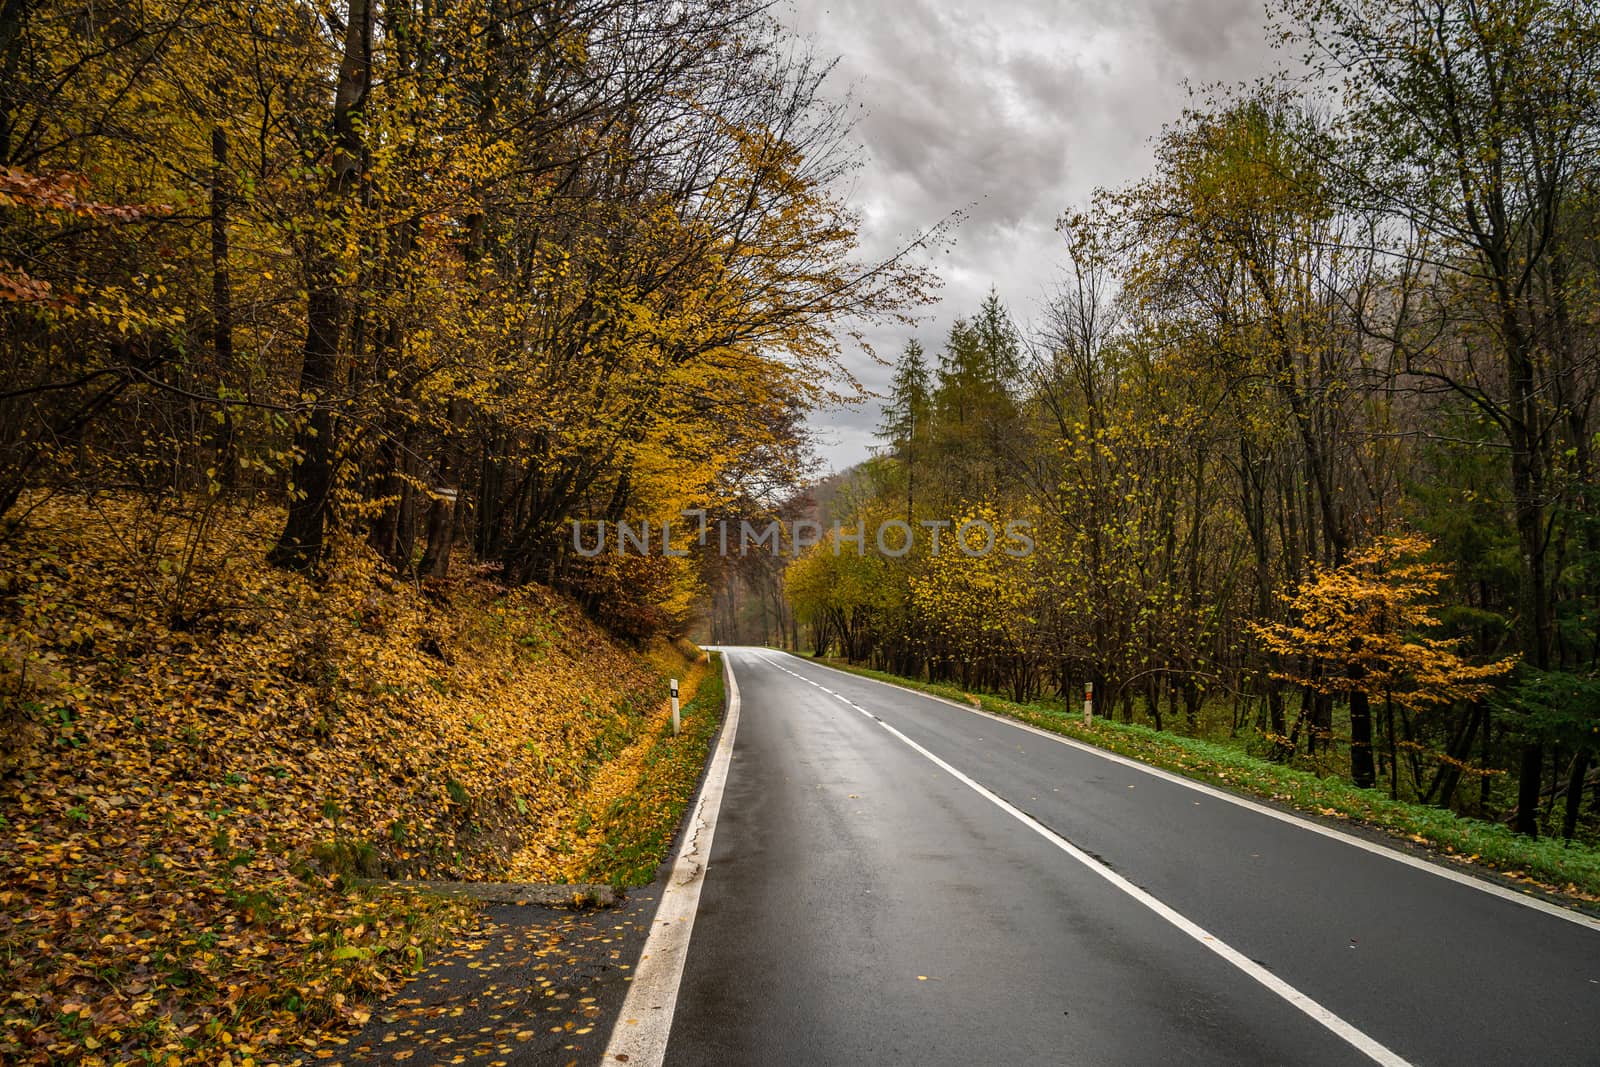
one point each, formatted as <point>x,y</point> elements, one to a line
<point>1369,1046</point>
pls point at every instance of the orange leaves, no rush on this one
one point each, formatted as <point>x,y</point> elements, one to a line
<point>65,194</point>
<point>61,196</point>
<point>1362,627</point>
<point>16,287</point>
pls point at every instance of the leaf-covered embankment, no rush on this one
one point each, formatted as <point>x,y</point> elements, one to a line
<point>626,822</point>
<point>198,749</point>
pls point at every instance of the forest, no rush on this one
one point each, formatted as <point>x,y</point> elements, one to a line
<point>319,325</point>
<point>424,275</point>
<point>1306,434</point>
<point>324,325</point>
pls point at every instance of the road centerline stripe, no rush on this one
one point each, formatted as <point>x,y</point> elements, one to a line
<point>639,1036</point>
<point>1369,1046</point>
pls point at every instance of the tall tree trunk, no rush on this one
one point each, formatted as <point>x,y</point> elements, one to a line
<point>1530,771</point>
<point>221,307</point>
<point>1527,492</point>
<point>1361,766</point>
<point>384,533</point>
<point>302,543</point>
<point>1569,819</point>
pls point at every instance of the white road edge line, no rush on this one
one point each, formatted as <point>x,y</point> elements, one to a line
<point>1589,922</point>
<point>1367,1045</point>
<point>639,1036</point>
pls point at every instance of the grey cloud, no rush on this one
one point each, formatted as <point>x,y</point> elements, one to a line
<point>1012,111</point>
<point>1202,33</point>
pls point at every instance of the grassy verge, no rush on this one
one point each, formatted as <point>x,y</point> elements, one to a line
<point>1572,870</point>
<point>637,828</point>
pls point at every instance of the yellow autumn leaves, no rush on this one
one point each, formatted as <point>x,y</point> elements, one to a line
<point>1363,627</point>
<point>184,797</point>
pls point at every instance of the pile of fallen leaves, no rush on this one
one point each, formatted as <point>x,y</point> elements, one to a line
<point>580,850</point>
<point>199,751</point>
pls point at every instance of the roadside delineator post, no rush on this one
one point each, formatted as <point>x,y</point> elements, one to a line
<point>1088,703</point>
<point>674,707</point>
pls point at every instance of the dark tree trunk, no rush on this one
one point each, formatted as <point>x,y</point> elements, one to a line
<point>222,435</point>
<point>1569,819</point>
<point>1361,767</point>
<point>489,531</point>
<point>303,541</point>
<point>1527,491</point>
<point>384,534</point>
<point>1529,774</point>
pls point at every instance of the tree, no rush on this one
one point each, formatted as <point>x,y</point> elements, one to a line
<point>906,417</point>
<point>1359,629</point>
<point>1474,127</point>
<point>974,412</point>
<point>311,477</point>
<point>473,270</point>
<point>977,591</point>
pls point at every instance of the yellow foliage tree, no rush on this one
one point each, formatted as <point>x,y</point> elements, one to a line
<point>1360,630</point>
<point>976,592</point>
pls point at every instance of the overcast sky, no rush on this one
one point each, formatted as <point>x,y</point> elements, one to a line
<point>1012,111</point>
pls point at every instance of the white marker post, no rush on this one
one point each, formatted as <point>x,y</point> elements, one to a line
<point>674,707</point>
<point>1088,703</point>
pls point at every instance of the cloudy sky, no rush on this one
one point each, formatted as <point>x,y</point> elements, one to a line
<point>1011,111</point>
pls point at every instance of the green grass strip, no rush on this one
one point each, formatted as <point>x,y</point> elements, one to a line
<point>639,827</point>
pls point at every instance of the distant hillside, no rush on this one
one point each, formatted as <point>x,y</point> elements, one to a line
<point>825,491</point>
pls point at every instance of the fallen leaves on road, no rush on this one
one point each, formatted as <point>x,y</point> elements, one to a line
<point>523,983</point>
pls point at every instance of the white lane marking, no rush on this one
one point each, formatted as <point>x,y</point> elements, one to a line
<point>1588,922</point>
<point>640,1033</point>
<point>1369,1046</point>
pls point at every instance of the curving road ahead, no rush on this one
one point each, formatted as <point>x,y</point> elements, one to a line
<point>896,879</point>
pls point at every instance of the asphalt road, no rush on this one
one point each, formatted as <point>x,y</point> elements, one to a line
<point>868,900</point>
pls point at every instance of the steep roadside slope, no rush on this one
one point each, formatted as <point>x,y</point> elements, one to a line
<point>198,751</point>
